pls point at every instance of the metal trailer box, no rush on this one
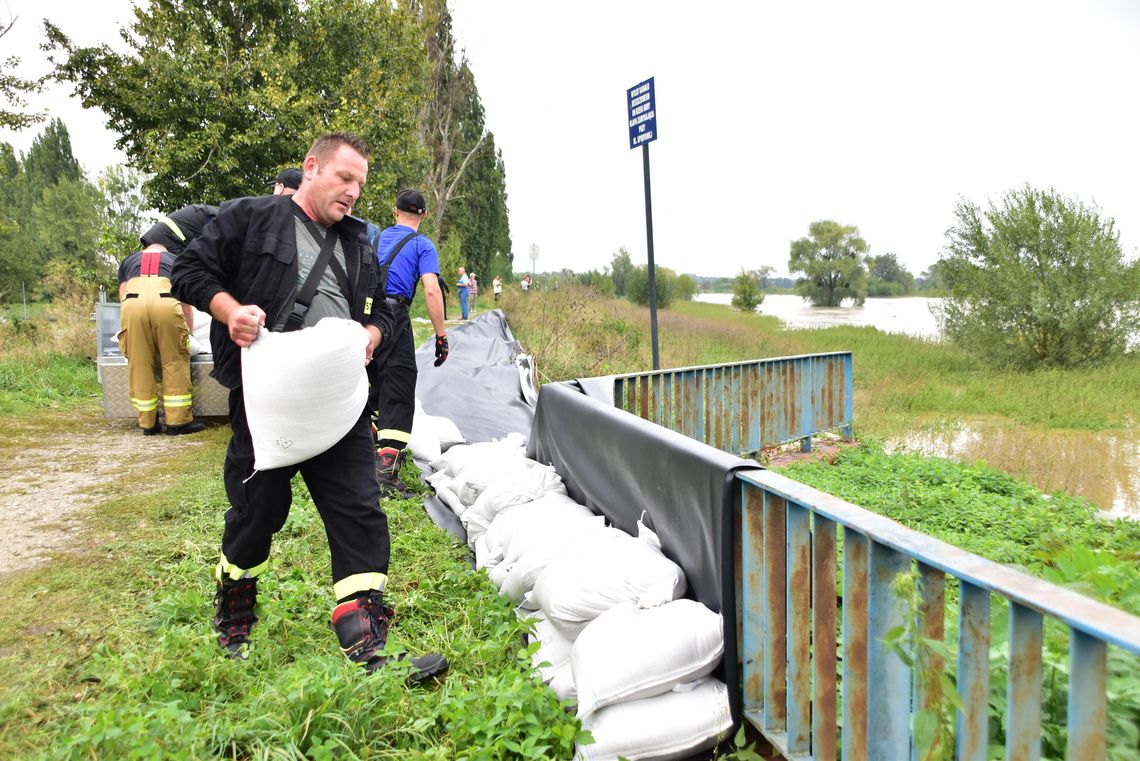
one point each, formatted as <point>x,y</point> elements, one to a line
<point>211,399</point>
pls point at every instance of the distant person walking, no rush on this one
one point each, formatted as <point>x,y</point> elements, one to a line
<point>473,288</point>
<point>411,259</point>
<point>156,328</point>
<point>525,284</point>
<point>462,285</point>
<point>497,287</point>
<point>287,182</point>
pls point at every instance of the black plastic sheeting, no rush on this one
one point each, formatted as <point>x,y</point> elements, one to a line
<point>619,465</point>
<point>484,387</point>
<point>480,386</point>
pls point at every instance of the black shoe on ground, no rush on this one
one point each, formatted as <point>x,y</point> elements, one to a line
<point>391,487</point>
<point>361,625</point>
<point>234,616</point>
<point>179,430</point>
<point>154,429</point>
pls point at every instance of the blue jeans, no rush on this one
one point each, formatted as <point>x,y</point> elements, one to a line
<point>463,302</point>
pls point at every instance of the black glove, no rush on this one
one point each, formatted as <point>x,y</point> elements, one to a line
<point>440,350</point>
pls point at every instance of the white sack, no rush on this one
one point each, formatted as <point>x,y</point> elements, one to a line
<point>303,390</point>
<point>462,455</point>
<point>531,523</point>
<point>613,568</point>
<point>517,482</point>
<point>627,652</point>
<point>674,725</point>
<point>554,649</point>
<point>525,570</point>
<point>423,442</point>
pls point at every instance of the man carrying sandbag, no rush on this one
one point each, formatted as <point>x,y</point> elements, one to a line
<point>285,262</point>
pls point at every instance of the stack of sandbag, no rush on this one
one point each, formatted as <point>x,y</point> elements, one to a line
<point>480,481</point>
<point>612,630</point>
<point>432,435</point>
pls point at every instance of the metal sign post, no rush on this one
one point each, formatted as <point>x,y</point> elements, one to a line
<point>533,257</point>
<point>643,131</point>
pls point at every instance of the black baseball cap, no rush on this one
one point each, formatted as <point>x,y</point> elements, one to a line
<point>290,178</point>
<point>411,201</point>
<point>177,229</point>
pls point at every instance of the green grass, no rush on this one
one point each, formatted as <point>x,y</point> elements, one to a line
<point>33,383</point>
<point>110,653</point>
<point>899,382</point>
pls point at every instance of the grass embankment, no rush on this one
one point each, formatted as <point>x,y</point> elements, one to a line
<point>108,651</point>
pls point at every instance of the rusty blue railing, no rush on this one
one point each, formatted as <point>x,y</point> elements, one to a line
<point>742,407</point>
<point>787,588</point>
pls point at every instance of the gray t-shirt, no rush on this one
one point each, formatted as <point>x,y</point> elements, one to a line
<point>328,301</point>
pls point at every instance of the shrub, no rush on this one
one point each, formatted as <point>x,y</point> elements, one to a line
<point>1038,280</point>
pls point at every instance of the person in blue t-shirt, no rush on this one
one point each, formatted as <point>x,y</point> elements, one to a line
<point>411,259</point>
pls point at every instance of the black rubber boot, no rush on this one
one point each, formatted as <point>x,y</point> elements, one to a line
<point>388,461</point>
<point>180,430</point>
<point>235,617</point>
<point>361,625</point>
<point>154,429</point>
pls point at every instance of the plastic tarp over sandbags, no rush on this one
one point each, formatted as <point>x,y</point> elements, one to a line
<point>290,421</point>
<point>674,725</point>
<point>485,386</point>
<point>628,653</point>
<point>609,569</point>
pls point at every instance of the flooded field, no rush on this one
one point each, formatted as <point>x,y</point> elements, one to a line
<point>1103,467</point>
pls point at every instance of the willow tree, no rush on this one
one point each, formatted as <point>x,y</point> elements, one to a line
<point>1038,280</point>
<point>831,260</point>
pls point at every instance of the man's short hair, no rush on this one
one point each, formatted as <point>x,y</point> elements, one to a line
<point>290,178</point>
<point>411,201</point>
<point>325,145</point>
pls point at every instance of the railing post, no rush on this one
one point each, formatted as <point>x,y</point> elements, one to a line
<point>752,594</point>
<point>824,729</point>
<point>888,701</point>
<point>775,614</point>
<point>1023,693</point>
<point>973,672</point>
<point>799,628</point>
<point>1087,681</point>
<point>856,549</point>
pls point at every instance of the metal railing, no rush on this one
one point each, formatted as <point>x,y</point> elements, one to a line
<point>744,406</point>
<point>789,562</point>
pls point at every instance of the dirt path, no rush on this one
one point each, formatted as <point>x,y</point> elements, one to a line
<point>52,470</point>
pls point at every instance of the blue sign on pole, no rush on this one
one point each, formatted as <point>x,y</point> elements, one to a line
<point>642,113</point>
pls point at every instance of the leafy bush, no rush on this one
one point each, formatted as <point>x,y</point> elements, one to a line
<point>1038,280</point>
<point>746,294</point>
<point>637,286</point>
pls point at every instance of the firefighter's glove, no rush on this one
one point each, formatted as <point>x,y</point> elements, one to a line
<point>440,350</point>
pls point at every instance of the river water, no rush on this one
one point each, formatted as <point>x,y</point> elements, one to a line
<point>1103,467</point>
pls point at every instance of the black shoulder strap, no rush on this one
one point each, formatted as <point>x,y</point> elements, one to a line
<point>304,298</point>
<point>387,265</point>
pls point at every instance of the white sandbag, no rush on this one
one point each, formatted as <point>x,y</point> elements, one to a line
<point>525,570</point>
<point>562,682</point>
<point>461,456</point>
<point>423,442</point>
<point>530,523</point>
<point>673,725</point>
<point>520,482</point>
<point>553,652</point>
<point>200,335</point>
<point>628,653</point>
<point>303,390</point>
<point>615,568</point>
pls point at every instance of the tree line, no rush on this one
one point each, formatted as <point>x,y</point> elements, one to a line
<point>1036,280</point>
<point>211,99</point>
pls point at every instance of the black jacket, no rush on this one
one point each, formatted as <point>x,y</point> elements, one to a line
<point>250,252</point>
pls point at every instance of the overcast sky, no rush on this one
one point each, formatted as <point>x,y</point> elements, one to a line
<point>770,115</point>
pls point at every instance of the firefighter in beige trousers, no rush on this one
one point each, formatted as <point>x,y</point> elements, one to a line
<point>155,335</point>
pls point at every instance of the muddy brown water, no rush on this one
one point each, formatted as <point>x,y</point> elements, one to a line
<point>1103,467</point>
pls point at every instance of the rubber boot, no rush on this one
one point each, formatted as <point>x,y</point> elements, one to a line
<point>388,461</point>
<point>234,616</point>
<point>361,626</point>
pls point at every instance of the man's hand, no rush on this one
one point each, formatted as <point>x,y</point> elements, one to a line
<point>440,350</point>
<point>374,338</point>
<point>244,324</point>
